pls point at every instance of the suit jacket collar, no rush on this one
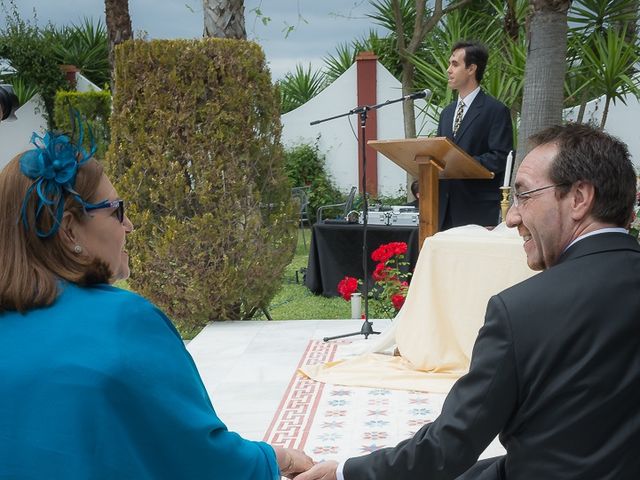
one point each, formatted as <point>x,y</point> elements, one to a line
<point>603,242</point>
<point>473,112</point>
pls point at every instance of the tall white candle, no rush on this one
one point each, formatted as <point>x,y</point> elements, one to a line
<point>507,171</point>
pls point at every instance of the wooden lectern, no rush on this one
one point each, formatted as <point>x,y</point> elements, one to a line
<point>430,159</point>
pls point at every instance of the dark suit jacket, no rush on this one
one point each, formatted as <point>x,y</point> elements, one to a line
<point>555,370</point>
<point>486,134</point>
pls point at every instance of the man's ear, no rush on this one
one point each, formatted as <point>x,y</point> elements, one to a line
<point>472,68</point>
<point>584,196</point>
<point>67,230</point>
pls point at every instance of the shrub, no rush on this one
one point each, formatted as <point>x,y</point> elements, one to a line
<point>84,45</point>
<point>26,46</point>
<point>305,166</point>
<point>196,148</point>
<point>95,110</point>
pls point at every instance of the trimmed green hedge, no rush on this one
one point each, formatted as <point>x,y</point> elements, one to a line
<point>95,110</point>
<point>196,150</point>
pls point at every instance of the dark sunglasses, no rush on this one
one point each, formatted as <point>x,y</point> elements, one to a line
<point>117,204</point>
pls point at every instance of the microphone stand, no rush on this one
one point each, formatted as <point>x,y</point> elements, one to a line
<point>367,326</point>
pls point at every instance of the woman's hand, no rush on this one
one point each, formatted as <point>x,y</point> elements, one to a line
<point>292,461</point>
<point>322,471</point>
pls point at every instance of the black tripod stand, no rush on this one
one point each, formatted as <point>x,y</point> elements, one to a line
<point>367,326</point>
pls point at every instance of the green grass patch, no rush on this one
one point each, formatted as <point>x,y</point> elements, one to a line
<point>294,301</point>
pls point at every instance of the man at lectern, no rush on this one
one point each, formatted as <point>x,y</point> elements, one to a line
<point>481,126</point>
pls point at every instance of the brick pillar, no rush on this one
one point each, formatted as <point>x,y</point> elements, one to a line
<point>367,82</point>
<point>70,72</point>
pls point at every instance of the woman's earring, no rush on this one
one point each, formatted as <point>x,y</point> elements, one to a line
<point>77,249</point>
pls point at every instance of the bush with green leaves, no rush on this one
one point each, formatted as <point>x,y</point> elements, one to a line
<point>94,109</point>
<point>195,149</point>
<point>305,167</point>
<point>84,45</point>
<point>27,47</point>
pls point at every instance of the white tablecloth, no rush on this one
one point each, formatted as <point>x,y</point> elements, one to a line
<point>458,270</point>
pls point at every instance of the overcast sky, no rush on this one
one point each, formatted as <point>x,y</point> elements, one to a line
<point>320,25</point>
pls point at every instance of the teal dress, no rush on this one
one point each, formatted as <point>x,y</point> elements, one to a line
<point>100,386</point>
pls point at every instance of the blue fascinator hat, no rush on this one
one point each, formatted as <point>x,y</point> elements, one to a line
<point>53,165</point>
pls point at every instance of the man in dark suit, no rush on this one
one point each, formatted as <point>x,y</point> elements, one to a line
<point>481,126</point>
<point>555,370</point>
<point>415,191</point>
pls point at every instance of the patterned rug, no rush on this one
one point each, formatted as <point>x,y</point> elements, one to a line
<point>336,422</point>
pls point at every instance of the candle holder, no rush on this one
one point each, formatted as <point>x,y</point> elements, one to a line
<point>504,203</point>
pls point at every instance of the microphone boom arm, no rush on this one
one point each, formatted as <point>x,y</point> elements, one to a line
<point>366,108</point>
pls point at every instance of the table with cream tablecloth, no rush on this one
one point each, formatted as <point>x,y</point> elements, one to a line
<point>458,270</point>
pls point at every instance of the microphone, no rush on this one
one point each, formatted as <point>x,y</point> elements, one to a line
<point>426,93</point>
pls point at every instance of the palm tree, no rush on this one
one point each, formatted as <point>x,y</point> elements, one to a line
<point>603,53</point>
<point>346,53</point>
<point>118,27</point>
<point>224,19</point>
<point>299,87</point>
<point>543,95</point>
<point>610,59</point>
<point>84,45</point>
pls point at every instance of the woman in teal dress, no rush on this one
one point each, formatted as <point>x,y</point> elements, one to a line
<point>95,382</point>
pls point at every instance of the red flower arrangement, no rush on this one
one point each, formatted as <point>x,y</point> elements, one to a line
<point>347,286</point>
<point>391,283</point>
<point>397,300</point>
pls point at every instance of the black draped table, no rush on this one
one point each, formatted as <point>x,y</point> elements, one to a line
<point>336,251</point>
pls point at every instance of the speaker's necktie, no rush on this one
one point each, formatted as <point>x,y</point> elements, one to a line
<point>458,119</point>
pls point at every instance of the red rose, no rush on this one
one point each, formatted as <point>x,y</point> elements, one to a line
<point>385,252</point>
<point>382,254</point>
<point>347,286</point>
<point>397,300</point>
<point>381,272</point>
<point>398,248</point>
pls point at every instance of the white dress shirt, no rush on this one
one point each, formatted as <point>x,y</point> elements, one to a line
<point>596,232</point>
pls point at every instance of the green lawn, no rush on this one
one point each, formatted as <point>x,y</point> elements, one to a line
<point>295,302</point>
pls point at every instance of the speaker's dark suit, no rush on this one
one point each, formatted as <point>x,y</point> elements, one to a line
<point>555,370</point>
<point>486,134</point>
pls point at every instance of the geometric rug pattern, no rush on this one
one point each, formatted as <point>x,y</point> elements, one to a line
<point>337,422</point>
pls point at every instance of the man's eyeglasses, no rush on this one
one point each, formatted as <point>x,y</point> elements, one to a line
<point>519,198</point>
<point>117,204</point>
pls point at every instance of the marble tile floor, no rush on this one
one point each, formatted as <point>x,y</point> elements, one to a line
<point>247,366</point>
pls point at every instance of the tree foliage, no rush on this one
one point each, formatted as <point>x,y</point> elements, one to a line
<point>300,86</point>
<point>305,167</point>
<point>37,52</point>
<point>409,37</point>
<point>85,46</point>
<point>196,149</point>
<point>27,47</point>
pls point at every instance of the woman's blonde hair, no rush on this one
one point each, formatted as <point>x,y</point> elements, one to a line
<point>32,266</point>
